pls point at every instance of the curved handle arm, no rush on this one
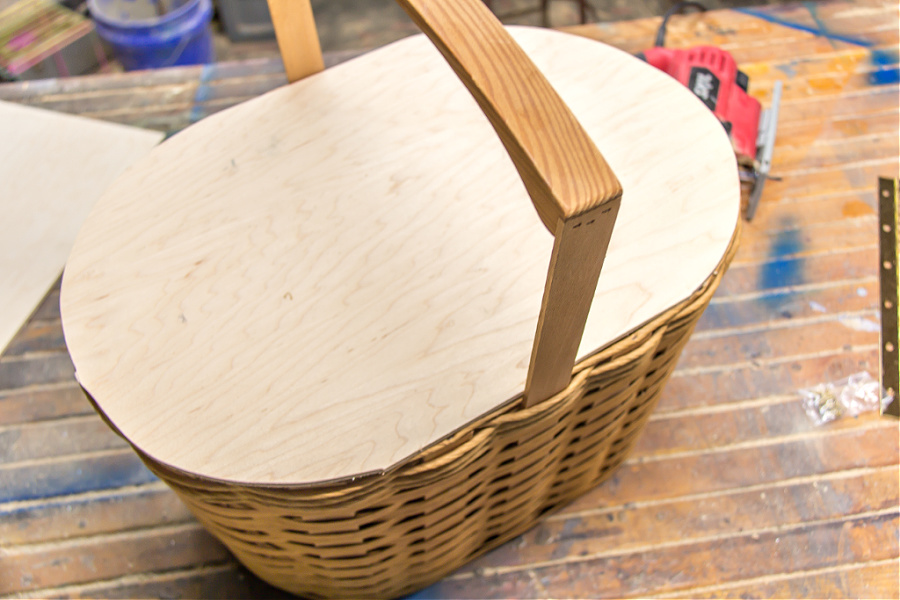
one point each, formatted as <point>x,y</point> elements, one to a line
<point>572,187</point>
<point>563,171</point>
<point>298,41</point>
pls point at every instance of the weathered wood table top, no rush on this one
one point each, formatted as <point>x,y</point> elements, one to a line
<point>731,490</point>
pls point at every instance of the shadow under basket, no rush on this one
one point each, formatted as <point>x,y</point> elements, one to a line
<point>391,534</point>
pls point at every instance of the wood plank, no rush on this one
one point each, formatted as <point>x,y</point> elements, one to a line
<point>169,118</point>
<point>682,522</point>
<point>730,469</point>
<point>111,81</point>
<point>875,579</point>
<point>88,89</point>
<point>799,239</point>
<point>658,570</point>
<point>106,556</point>
<point>834,153</point>
<point>142,98</point>
<point>716,27</point>
<point>167,100</point>
<point>186,100</point>
<point>261,68</point>
<point>91,87</point>
<point>839,104</point>
<point>749,38</point>
<point>173,114</point>
<point>36,369</point>
<point>785,339</point>
<point>837,64</point>
<point>784,271</point>
<point>814,211</point>
<point>90,514</point>
<point>844,297</point>
<point>37,336</point>
<point>809,131</point>
<point>810,182</point>
<point>778,418</point>
<point>76,435</point>
<point>860,147</point>
<point>73,474</point>
<point>804,184</point>
<point>736,383</point>
<point>782,46</point>
<point>45,402</point>
<point>228,580</point>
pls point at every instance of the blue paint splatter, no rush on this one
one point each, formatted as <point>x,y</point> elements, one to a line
<point>54,504</point>
<point>886,71</point>
<point>813,12</point>
<point>429,593</point>
<point>807,28</point>
<point>202,93</point>
<point>884,61</point>
<point>789,69</point>
<point>76,477</point>
<point>783,269</point>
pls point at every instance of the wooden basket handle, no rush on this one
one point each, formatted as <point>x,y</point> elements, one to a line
<point>571,186</point>
<point>298,40</point>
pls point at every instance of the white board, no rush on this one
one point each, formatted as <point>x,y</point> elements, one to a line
<point>53,167</point>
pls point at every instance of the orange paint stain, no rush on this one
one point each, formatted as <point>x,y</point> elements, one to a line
<point>825,84</point>
<point>754,70</point>
<point>846,62</point>
<point>838,71</point>
<point>856,208</point>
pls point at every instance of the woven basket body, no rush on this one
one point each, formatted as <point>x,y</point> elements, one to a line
<point>384,536</point>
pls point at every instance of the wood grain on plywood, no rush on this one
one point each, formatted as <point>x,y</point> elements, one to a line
<point>259,327</point>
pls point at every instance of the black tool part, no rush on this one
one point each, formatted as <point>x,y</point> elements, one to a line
<point>677,8</point>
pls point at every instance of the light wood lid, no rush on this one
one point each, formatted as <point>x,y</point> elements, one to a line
<point>320,282</point>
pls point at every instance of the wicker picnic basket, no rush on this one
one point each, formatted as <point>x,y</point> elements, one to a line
<point>335,480</point>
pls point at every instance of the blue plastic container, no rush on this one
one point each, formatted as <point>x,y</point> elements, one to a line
<point>143,39</point>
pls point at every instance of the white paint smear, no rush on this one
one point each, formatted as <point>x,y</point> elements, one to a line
<point>860,324</point>
<point>817,307</point>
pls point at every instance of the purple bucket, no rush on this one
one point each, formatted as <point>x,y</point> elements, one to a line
<point>148,34</point>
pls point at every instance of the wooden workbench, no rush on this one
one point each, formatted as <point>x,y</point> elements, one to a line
<point>731,491</point>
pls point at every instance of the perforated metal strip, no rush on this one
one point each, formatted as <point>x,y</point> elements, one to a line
<point>890,344</point>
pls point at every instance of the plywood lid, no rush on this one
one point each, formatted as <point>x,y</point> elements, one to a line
<point>294,290</point>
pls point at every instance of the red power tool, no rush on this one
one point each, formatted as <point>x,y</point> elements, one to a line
<point>713,76</point>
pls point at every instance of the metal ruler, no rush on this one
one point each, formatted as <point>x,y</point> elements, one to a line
<point>890,289</point>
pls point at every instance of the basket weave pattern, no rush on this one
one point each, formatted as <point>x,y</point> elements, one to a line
<point>393,533</point>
